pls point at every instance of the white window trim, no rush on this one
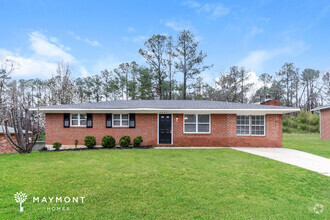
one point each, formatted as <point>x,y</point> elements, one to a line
<point>196,132</point>
<point>258,126</point>
<point>250,126</point>
<point>121,120</point>
<point>244,125</point>
<point>78,120</point>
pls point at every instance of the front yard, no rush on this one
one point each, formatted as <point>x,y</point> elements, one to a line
<point>149,184</point>
<point>310,143</point>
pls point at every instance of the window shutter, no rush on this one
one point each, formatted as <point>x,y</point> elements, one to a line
<point>108,122</point>
<point>89,123</point>
<point>132,120</point>
<point>66,122</point>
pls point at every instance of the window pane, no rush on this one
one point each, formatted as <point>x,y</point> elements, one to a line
<point>83,122</point>
<point>243,130</point>
<point>74,122</point>
<point>190,127</point>
<point>124,116</point>
<point>74,116</point>
<point>190,118</point>
<point>258,120</point>
<point>116,116</point>
<point>203,128</point>
<point>258,130</point>
<point>124,123</point>
<point>116,122</point>
<point>83,116</point>
<point>203,118</point>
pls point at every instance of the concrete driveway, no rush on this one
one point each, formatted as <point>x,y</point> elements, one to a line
<point>294,157</point>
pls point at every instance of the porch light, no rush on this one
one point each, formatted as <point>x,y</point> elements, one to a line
<point>176,118</point>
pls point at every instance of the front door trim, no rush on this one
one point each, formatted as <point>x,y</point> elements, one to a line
<point>171,128</point>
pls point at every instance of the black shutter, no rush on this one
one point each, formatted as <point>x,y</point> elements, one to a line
<point>89,123</point>
<point>108,120</point>
<point>132,120</point>
<point>66,122</point>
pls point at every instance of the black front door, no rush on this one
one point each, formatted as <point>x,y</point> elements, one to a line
<point>164,129</point>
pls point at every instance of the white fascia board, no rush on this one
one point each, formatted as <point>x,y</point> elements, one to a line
<point>174,111</point>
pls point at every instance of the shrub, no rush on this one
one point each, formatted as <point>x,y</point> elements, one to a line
<point>90,141</point>
<point>286,130</point>
<point>76,143</point>
<point>302,127</point>
<point>125,141</point>
<point>57,145</point>
<point>108,142</point>
<point>137,141</point>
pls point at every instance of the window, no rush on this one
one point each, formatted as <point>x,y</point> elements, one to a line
<point>258,125</point>
<point>196,123</point>
<point>120,120</point>
<point>242,125</point>
<point>78,119</point>
<point>250,125</point>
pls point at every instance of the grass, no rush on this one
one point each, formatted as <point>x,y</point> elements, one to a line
<point>310,143</point>
<point>161,184</point>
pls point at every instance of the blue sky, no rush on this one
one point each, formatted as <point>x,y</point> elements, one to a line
<point>94,35</point>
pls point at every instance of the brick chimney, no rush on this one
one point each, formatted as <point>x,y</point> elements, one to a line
<point>275,102</point>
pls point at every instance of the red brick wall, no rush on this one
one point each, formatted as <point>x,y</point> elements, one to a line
<point>223,131</point>
<point>5,148</point>
<point>146,126</point>
<point>325,124</point>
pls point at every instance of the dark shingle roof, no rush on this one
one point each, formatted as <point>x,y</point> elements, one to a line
<point>161,104</point>
<point>321,108</point>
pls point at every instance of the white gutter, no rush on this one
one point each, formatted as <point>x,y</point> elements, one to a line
<point>152,110</point>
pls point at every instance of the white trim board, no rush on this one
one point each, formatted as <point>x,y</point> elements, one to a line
<point>173,111</point>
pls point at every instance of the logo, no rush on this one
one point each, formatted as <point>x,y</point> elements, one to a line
<point>318,208</point>
<point>20,198</point>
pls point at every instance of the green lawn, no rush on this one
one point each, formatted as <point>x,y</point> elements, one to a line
<point>162,184</point>
<point>310,143</point>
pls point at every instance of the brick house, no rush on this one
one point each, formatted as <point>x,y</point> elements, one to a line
<point>324,121</point>
<point>5,147</point>
<point>167,122</point>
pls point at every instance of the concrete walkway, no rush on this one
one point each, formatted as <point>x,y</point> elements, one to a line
<point>294,157</point>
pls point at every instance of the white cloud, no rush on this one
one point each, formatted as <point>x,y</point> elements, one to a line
<point>29,67</point>
<point>256,59</point>
<point>136,38</point>
<point>255,30</point>
<point>42,62</point>
<point>130,29</point>
<point>178,25</point>
<point>93,43</point>
<point>191,4</point>
<point>213,10</point>
<point>109,63</point>
<point>42,46</point>
<point>257,84</point>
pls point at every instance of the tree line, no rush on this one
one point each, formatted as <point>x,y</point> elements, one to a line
<point>172,70</point>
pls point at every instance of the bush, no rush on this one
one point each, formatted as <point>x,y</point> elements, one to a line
<point>90,141</point>
<point>57,145</point>
<point>125,141</point>
<point>304,122</point>
<point>286,130</point>
<point>302,127</point>
<point>76,142</point>
<point>137,141</point>
<point>108,142</point>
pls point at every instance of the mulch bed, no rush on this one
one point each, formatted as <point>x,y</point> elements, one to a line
<point>98,148</point>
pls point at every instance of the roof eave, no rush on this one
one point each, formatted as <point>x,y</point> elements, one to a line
<point>177,111</point>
